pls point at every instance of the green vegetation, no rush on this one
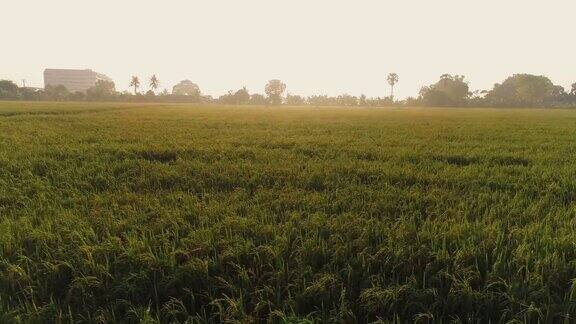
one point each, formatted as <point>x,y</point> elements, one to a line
<point>517,91</point>
<point>143,213</point>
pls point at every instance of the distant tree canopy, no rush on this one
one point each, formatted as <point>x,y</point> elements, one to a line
<point>295,100</point>
<point>103,90</point>
<point>519,90</point>
<point>57,93</point>
<point>274,90</point>
<point>257,99</point>
<point>449,91</point>
<point>186,88</point>
<point>349,100</point>
<point>524,90</point>
<point>8,90</point>
<point>29,94</point>
<point>240,97</point>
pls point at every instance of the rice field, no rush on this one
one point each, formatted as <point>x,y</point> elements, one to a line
<point>142,213</point>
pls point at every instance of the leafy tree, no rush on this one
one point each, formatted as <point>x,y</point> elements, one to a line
<point>101,91</point>
<point>392,80</point>
<point>321,100</point>
<point>448,91</point>
<point>77,96</point>
<point>558,93</point>
<point>154,83</point>
<point>346,100</point>
<point>8,90</point>
<point>477,98</point>
<point>573,90</point>
<point>242,97</point>
<point>275,89</point>
<point>239,97</point>
<point>227,98</point>
<point>295,100</point>
<point>57,93</point>
<point>29,94</point>
<point>429,96</point>
<point>257,99</point>
<point>135,83</point>
<point>341,100</point>
<point>380,102</point>
<point>186,88</point>
<point>524,90</point>
<point>411,102</point>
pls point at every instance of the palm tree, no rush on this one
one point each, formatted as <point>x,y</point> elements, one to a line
<point>392,80</point>
<point>135,82</point>
<point>154,82</point>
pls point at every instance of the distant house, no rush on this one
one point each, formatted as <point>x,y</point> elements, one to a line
<point>73,80</point>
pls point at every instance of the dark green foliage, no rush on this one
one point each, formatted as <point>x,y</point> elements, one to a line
<point>240,97</point>
<point>525,90</point>
<point>171,213</point>
<point>8,90</point>
<point>449,91</point>
<point>103,90</point>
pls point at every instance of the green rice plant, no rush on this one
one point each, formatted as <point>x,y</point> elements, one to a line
<point>207,214</point>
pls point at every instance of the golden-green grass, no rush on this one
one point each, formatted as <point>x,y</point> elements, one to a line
<point>174,213</point>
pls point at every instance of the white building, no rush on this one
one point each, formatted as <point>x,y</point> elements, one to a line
<point>73,80</point>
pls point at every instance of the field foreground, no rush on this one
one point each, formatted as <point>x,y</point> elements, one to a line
<point>142,213</point>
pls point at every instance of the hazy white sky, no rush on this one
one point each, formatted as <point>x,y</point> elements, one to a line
<point>314,46</point>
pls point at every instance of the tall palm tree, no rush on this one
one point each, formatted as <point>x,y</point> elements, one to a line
<point>154,82</point>
<point>135,82</point>
<point>392,80</point>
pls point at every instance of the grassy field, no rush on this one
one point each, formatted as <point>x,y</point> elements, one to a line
<point>144,213</point>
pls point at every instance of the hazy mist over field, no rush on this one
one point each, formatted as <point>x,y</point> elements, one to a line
<point>315,47</point>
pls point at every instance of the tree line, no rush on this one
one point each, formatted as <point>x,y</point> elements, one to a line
<point>519,90</point>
